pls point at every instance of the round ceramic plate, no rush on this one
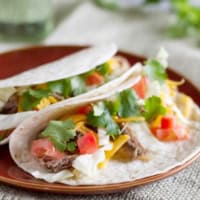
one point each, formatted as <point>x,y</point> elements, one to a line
<point>15,62</point>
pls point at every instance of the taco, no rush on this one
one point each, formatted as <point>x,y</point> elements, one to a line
<point>138,129</point>
<point>74,76</point>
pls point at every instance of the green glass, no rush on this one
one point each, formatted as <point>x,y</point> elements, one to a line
<point>25,19</point>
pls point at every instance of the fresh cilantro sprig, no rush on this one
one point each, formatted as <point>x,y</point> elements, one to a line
<point>61,133</point>
<point>152,108</point>
<point>100,117</point>
<point>129,103</point>
<point>155,70</point>
<point>31,98</point>
<point>68,87</point>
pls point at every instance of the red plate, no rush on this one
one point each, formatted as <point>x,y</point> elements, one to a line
<point>14,62</point>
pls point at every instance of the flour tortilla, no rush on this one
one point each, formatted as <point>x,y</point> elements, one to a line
<point>68,66</point>
<point>164,156</point>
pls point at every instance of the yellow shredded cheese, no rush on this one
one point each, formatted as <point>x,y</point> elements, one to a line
<point>76,118</point>
<point>117,144</point>
<point>173,85</point>
<point>112,64</point>
<point>52,99</point>
<point>129,119</point>
<point>44,102</point>
<point>41,86</point>
<point>185,103</point>
<point>156,122</point>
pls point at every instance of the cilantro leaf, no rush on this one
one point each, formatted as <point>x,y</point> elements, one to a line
<point>31,98</point>
<point>60,132</point>
<point>71,146</point>
<point>98,109</point>
<point>67,91</point>
<point>56,86</point>
<point>155,70</point>
<point>113,106</point>
<point>153,107</point>
<point>77,85</point>
<point>74,86</point>
<point>104,121</point>
<point>128,103</point>
<point>103,69</point>
<point>38,94</point>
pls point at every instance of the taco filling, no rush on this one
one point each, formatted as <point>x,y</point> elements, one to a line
<point>40,96</point>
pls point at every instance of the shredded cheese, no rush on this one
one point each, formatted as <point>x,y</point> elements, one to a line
<point>44,102</point>
<point>41,86</point>
<point>186,105</point>
<point>129,119</point>
<point>117,144</point>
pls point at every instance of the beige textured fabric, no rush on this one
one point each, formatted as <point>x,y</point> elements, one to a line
<point>141,34</point>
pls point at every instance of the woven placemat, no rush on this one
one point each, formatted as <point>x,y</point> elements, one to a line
<point>185,185</point>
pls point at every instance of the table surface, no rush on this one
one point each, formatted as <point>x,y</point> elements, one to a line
<point>81,22</point>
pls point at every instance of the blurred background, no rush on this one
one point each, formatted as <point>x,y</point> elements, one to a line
<point>138,26</point>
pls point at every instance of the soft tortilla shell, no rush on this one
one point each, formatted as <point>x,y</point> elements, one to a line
<point>164,156</point>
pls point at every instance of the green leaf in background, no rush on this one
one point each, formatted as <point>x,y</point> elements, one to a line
<point>128,103</point>
<point>155,71</point>
<point>152,1</point>
<point>110,4</point>
<point>188,19</point>
<point>153,107</point>
<point>60,132</point>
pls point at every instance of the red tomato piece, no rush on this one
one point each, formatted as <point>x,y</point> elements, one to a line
<point>94,79</point>
<point>87,143</point>
<point>167,122</point>
<point>44,147</point>
<point>181,133</point>
<point>141,87</point>
<point>84,109</point>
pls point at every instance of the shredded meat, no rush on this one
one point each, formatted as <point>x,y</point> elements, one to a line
<point>10,106</point>
<point>58,96</point>
<point>134,143</point>
<point>132,149</point>
<point>55,165</point>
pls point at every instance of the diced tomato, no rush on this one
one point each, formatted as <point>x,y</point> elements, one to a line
<point>181,133</point>
<point>44,147</point>
<point>141,87</point>
<point>87,143</point>
<point>171,134</point>
<point>94,79</point>
<point>84,109</point>
<point>167,122</point>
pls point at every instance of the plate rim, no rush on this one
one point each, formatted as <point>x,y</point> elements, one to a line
<point>94,189</point>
